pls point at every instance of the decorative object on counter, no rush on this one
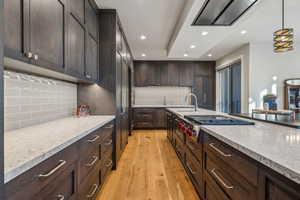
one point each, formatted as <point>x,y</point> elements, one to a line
<point>270,99</point>
<point>283,38</point>
<point>274,112</point>
<point>83,111</point>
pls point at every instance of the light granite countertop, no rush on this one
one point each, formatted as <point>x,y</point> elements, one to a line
<point>275,146</point>
<point>162,106</point>
<point>25,148</point>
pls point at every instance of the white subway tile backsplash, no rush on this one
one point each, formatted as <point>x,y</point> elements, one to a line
<point>30,100</point>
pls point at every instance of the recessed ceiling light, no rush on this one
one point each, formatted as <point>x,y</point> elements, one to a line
<point>193,46</point>
<point>204,33</point>
<point>143,55</point>
<point>143,37</point>
<point>185,55</point>
<point>243,32</point>
<point>209,55</point>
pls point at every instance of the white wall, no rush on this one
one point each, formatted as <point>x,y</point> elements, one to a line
<point>265,64</point>
<point>242,54</point>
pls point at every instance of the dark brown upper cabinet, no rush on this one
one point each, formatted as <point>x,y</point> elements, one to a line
<point>91,19</point>
<point>76,50</point>
<point>91,59</point>
<point>186,74</point>
<point>147,74</point>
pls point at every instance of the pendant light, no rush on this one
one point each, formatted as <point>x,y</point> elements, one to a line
<point>283,38</point>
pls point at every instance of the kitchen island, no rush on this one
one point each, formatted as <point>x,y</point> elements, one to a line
<point>260,158</point>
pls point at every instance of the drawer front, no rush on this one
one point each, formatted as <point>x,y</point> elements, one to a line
<point>235,185</point>
<point>194,168</point>
<point>90,187</point>
<point>143,117</point>
<point>143,124</point>
<point>88,162</point>
<point>143,111</point>
<point>107,131</point>
<point>90,143</point>
<point>232,158</point>
<point>179,134</point>
<point>195,147</point>
<point>106,146</point>
<point>62,188</point>
<point>106,167</point>
<point>212,190</point>
<point>30,183</point>
<point>179,148</point>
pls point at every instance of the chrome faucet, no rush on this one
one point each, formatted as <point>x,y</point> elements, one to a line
<point>192,95</point>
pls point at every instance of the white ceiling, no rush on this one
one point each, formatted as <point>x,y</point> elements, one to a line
<point>167,25</point>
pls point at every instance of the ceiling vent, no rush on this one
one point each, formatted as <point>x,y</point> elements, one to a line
<point>222,12</point>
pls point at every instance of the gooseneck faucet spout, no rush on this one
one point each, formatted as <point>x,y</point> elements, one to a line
<point>195,97</point>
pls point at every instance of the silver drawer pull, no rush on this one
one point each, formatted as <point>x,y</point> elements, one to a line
<point>60,197</point>
<point>109,164</point>
<point>95,158</point>
<point>93,192</point>
<point>213,171</point>
<point>109,127</point>
<point>219,151</point>
<point>36,57</point>
<point>94,139</point>
<point>193,172</point>
<point>29,55</point>
<point>108,143</point>
<point>88,76</point>
<point>60,165</point>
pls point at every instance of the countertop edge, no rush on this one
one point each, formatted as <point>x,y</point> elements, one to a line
<point>10,175</point>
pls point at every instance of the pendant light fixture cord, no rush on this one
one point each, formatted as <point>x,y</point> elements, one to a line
<point>282,14</point>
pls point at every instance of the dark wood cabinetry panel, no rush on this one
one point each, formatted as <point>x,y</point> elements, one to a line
<point>14,42</point>
<point>147,74</point>
<point>47,32</point>
<point>77,9</point>
<point>186,74</point>
<point>91,65</point>
<point>91,19</point>
<point>205,91</point>
<point>149,118</point>
<point>76,44</point>
<point>1,102</point>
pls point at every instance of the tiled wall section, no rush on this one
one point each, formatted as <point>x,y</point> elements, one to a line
<point>160,95</point>
<point>31,100</point>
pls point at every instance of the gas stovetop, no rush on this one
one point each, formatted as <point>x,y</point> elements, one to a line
<point>216,120</point>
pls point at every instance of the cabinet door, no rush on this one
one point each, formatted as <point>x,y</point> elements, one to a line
<point>147,74</point>
<point>91,19</point>
<point>76,47</point>
<point>47,32</point>
<point>77,9</point>
<point>203,88</point>
<point>186,74</point>
<point>91,70</point>
<point>14,33</point>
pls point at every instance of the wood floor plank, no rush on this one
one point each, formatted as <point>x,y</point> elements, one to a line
<point>148,170</point>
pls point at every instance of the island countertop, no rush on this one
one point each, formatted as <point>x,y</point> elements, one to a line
<point>275,146</point>
<point>25,148</point>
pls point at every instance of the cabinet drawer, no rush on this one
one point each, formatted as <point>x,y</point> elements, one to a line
<point>88,162</point>
<point>235,185</point>
<point>143,124</point>
<point>62,188</point>
<point>234,159</point>
<point>195,147</point>
<point>107,131</point>
<point>143,117</point>
<point>194,168</point>
<point>143,111</point>
<point>212,190</point>
<point>90,142</point>
<point>179,148</point>
<point>90,187</point>
<point>106,146</point>
<point>180,134</point>
<point>106,167</point>
<point>40,176</point>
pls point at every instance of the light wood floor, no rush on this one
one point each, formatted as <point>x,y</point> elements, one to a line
<point>148,170</point>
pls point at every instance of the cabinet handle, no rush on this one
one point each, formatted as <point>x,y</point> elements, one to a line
<point>94,139</point>
<point>109,164</point>
<point>95,158</point>
<point>93,192</point>
<point>29,55</point>
<point>60,165</point>
<point>35,57</point>
<point>213,171</point>
<point>189,167</point>
<point>88,76</point>
<point>108,143</point>
<point>212,145</point>
<point>60,197</point>
<point>109,127</point>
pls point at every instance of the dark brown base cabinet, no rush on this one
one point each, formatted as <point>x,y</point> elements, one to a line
<point>76,173</point>
<point>149,118</point>
<point>219,172</point>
